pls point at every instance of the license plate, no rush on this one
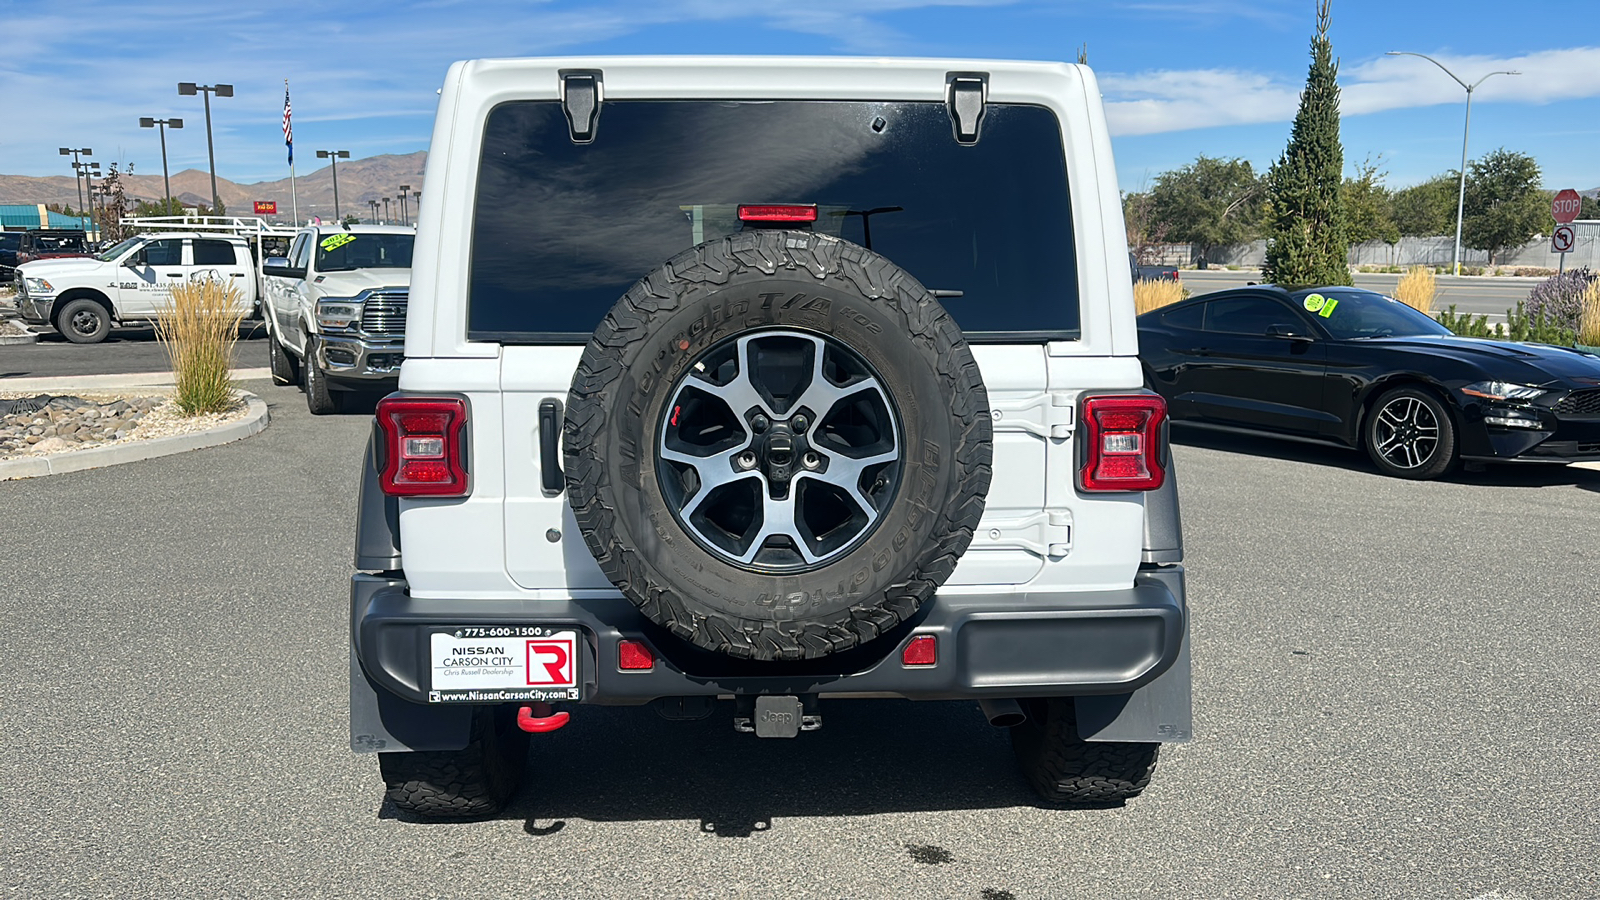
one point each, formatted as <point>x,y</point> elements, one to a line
<point>490,664</point>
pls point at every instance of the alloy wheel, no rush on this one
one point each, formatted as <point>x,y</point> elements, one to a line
<point>1406,433</point>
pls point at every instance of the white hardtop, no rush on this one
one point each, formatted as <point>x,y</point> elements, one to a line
<point>439,286</point>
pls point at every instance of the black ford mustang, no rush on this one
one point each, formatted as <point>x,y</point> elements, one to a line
<point>1353,367</point>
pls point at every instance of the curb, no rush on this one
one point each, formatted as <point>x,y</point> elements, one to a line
<point>7,340</point>
<point>78,460</point>
<point>137,379</point>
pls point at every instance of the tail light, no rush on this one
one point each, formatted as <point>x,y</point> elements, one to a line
<point>1124,441</point>
<point>423,447</point>
<point>777,212</point>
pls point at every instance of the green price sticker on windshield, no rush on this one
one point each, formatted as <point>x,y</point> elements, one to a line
<point>335,241</point>
<point>1314,302</point>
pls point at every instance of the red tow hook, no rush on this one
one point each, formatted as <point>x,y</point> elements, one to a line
<point>538,718</point>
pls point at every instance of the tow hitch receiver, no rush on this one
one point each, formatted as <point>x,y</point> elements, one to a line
<point>776,716</point>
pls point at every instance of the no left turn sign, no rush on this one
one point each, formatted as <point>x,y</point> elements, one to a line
<point>1563,239</point>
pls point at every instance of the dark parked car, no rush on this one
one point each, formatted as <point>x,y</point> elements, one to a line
<point>1151,273</point>
<point>1355,368</point>
<point>58,243</point>
<point>9,242</point>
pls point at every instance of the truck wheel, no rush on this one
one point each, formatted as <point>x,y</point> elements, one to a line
<point>777,445</point>
<point>320,399</point>
<point>285,371</point>
<point>83,321</point>
<point>476,780</point>
<point>1067,770</point>
<point>1409,434</point>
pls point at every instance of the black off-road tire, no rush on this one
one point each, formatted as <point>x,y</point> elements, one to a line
<point>699,300</point>
<point>1068,771</point>
<point>86,311</point>
<point>475,781</point>
<point>321,399</point>
<point>285,369</point>
<point>1445,455</point>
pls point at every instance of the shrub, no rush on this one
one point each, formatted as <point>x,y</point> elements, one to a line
<point>1148,295</point>
<point>1589,316</point>
<point>1561,296</point>
<point>1416,289</point>
<point>1468,325</point>
<point>198,329</point>
<point>1520,326</point>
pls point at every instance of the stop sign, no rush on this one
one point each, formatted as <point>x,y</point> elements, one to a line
<point>1566,205</point>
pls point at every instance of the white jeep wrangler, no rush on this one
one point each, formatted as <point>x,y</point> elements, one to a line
<point>751,385</point>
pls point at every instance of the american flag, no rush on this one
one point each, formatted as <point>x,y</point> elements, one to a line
<point>288,128</point>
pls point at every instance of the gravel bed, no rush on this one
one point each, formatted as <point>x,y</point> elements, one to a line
<point>12,328</point>
<point>44,424</point>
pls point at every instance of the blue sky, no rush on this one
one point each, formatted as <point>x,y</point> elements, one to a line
<point>1218,77</point>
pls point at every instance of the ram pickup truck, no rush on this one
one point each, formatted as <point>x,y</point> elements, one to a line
<point>336,311</point>
<point>55,243</point>
<point>130,282</point>
<point>746,387</point>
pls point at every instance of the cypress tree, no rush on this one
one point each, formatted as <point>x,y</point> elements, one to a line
<point>1307,244</point>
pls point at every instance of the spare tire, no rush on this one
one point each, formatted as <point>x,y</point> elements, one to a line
<point>777,445</point>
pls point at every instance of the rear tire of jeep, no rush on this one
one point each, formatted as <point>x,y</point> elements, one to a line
<point>1068,771</point>
<point>320,399</point>
<point>83,321</point>
<point>813,545</point>
<point>477,780</point>
<point>281,362</point>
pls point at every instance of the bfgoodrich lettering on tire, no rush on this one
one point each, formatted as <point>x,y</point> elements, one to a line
<point>777,445</point>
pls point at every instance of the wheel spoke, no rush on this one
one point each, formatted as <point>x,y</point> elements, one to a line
<point>778,520</point>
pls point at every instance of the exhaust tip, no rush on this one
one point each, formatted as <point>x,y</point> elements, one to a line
<point>1003,713</point>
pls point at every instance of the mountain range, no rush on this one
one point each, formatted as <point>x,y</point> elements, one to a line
<point>360,180</point>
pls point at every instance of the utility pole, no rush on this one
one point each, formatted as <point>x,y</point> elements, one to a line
<point>189,89</point>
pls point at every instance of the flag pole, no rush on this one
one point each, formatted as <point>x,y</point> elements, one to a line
<point>294,196</point>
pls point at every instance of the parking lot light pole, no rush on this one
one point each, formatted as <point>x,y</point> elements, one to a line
<point>374,205</point>
<point>405,216</point>
<point>147,122</point>
<point>1461,192</point>
<point>189,89</point>
<point>386,210</point>
<point>75,153</point>
<point>334,156</point>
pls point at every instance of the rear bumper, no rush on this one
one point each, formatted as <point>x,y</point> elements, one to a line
<point>1008,645</point>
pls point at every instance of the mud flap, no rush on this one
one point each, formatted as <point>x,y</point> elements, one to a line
<point>1159,712</point>
<point>382,722</point>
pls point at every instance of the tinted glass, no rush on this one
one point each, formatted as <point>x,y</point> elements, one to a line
<point>117,249</point>
<point>1351,314</point>
<point>164,253</point>
<point>213,253</point>
<point>342,251</point>
<point>1247,315</point>
<point>1185,317</point>
<point>10,241</point>
<point>562,230</point>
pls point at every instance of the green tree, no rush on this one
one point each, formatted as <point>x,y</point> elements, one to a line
<point>1504,206</point>
<point>1590,208</point>
<point>1367,206</point>
<point>1209,203</point>
<point>1427,209</point>
<point>162,207</point>
<point>1306,242</point>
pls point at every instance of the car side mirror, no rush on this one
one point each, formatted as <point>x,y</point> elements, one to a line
<point>278,261</point>
<point>282,271</point>
<point>1288,332</point>
<point>134,261</point>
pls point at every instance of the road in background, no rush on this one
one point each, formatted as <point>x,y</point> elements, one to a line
<point>126,351</point>
<point>1395,695</point>
<point>1470,294</point>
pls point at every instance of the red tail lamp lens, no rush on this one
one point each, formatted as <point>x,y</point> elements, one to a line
<point>922,651</point>
<point>1123,437</point>
<point>634,655</point>
<point>422,446</point>
<point>777,212</point>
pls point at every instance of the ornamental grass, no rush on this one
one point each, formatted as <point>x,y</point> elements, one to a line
<point>198,329</point>
<point>1416,289</point>
<point>1148,295</point>
<point>1589,316</point>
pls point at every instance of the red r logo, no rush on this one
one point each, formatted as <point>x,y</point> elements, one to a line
<point>556,672</point>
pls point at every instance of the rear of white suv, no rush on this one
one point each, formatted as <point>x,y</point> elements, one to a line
<point>753,384</point>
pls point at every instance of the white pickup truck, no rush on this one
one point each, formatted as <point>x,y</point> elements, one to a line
<point>130,282</point>
<point>336,311</point>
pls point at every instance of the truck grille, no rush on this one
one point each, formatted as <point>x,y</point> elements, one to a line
<point>1580,403</point>
<point>385,313</point>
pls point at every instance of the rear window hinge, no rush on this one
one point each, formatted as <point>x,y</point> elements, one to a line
<point>966,94</point>
<point>581,93</point>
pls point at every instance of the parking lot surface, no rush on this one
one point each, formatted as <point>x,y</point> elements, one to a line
<point>1395,696</point>
<point>127,350</point>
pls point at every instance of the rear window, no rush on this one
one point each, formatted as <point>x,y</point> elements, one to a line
<point>561,230</point>
<point>213,253</point>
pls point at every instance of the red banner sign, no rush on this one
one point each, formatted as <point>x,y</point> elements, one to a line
<point>266,207</point>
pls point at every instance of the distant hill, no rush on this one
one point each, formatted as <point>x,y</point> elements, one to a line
<point>360,180</point>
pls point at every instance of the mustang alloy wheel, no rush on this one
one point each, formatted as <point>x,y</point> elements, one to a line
<point>1409,434</point>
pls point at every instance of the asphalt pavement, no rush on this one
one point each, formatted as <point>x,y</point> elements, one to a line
<point>1395,695</point>
<point>126,350</point>
<point>1479,295</point>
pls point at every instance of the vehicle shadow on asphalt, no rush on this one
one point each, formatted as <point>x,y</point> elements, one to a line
<point>614,764</point>
<point>248,331</point>
<point>1490,475</point>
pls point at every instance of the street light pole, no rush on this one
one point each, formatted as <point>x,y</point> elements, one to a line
<point>189,89</point>
<point>386,210</point>
<point>335,156</point>
<point>405,216</point>
<point>374,205</point>
<point>75,153</point>
<point>147,122</point>
<point>1461,192</point>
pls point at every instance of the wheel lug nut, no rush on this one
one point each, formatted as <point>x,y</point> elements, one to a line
<point>811,460</point>
<point>799,423</point>
<point>747,460</point>
<point>759,423</point>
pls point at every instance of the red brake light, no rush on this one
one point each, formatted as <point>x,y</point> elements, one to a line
<point>777,212</point>
<point>1124,453</point>
<point>634,656</point>
<point>922,651</point>
<point>422,447</point>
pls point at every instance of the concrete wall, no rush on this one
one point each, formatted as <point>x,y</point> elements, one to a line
<point>1410,251</point>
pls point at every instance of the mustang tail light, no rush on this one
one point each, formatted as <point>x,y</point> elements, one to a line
<point>423,447</point>
<point>1124,443</point>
